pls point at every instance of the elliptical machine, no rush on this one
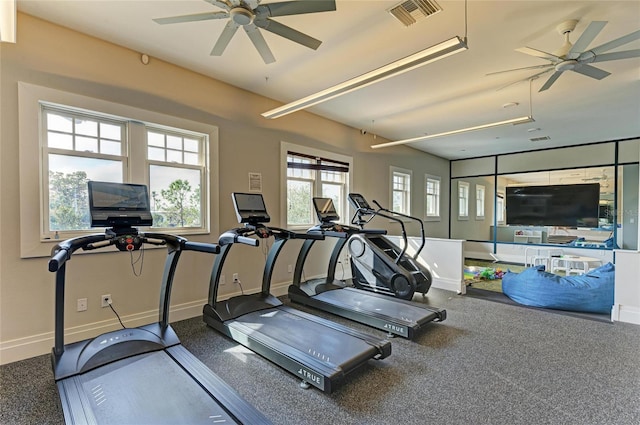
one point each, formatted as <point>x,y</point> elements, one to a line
<point>379,265</point>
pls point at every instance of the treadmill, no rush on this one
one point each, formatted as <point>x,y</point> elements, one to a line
<point>136,375</point>
<point>393,315</point>
<point>320,352</point>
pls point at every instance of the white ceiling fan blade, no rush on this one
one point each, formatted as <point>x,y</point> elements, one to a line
<point>297,7</point>
<point>548,65</point>
<point>529,78</point>
<point>550,81</point>
<point>539,54</point>
<point>288,33</point>
<point>191,18</point>
<point>616,43</point>
<point>627,54</point>
<point>587,37</point>
<point>223,41</point>
<point>591,71</point>
<point>259,42</point>
<point>220,4</point>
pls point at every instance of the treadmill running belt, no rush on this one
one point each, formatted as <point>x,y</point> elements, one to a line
<point>149,389</point>
<point>327,345</point>
<point>361,301</point>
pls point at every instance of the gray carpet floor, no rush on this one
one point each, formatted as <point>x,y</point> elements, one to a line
<point>488,363</point>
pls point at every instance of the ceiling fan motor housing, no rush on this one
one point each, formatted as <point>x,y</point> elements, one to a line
<point>241,16</point>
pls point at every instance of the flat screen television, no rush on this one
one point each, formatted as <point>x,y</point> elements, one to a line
<point>119,204</point>
<point>570,205</point>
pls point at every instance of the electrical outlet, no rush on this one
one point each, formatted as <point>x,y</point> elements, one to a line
<point>236,279</point>
<point>82,304</point>
<point>222,280</point>
<point>289,268</point>
<point>106,300</point>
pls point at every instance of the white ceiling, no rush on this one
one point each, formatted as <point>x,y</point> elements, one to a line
<point>361,35</point>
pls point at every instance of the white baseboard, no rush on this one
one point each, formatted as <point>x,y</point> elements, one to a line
<point>626,314</point>
<point>452,285</point>
<point>36,345</point>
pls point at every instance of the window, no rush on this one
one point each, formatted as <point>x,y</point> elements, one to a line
<point>432,197</point>
<point>176,178</point>
<point>480,195</point>
<point>311,174</point>
<point>77,147</point>
<point>401,190</point>
<point>80,139</point>
<point>500,208</point>
<point>84,145</point>
<point>463,200</point>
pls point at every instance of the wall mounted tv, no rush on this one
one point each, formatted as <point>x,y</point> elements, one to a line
<point>569,205</point>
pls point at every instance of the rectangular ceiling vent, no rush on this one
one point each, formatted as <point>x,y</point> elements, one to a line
<point>408,12</point>
<point>540,139</point>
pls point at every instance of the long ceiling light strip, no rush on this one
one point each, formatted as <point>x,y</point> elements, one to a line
<point>8,21</point>
<point>513,121</point>
<point>428,55</point>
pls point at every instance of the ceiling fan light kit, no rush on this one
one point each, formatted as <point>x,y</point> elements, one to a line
<point>513,121</point>
<point>421,58</point>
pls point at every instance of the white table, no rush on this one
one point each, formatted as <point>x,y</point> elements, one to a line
<point>574,264</point>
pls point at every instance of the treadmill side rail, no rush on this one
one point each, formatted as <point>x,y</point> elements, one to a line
<point>220,390</point>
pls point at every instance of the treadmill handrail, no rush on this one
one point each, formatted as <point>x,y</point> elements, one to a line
<point>62,252</point>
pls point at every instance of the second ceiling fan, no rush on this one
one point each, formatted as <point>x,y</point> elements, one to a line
<point>578,57</point>
<point>253,16</point>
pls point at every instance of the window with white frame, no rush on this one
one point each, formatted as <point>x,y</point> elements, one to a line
<point>432,197</point>
<point>310,176</point>
<point>401,190</point>
<point>463,200</point>
<point>480,205</point>
<point>500,208</point>
<point>82,145</point>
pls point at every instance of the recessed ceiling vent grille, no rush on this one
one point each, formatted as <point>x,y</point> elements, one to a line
<point>408,12</point>
<point>540,139</point>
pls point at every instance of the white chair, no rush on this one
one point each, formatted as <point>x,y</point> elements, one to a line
<point>541,256</point>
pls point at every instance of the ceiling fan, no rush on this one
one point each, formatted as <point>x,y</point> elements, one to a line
<point>252,16</point>
<point>577,57</point>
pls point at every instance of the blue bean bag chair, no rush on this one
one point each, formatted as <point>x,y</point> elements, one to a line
<point>591,292</point>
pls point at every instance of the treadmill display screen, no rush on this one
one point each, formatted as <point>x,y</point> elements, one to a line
<point>250,208</point>
<point>325,209</point>
<point>119,204</point>
<point>358,201</point>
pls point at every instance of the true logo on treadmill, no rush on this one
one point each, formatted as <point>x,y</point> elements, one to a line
<point>397,329</point>
<point>310,377</point>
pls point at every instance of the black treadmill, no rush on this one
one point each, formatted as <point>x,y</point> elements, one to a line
<point>320,352</point>
<point>395,316</point>
<point>136,375</point>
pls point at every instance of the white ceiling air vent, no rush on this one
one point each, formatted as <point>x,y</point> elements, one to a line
<point>408,12</point>
<point>540,139</point>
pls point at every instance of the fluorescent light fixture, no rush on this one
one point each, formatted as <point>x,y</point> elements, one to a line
<point>8,21</point>
<point>423,57</point>
<point>513,121</point>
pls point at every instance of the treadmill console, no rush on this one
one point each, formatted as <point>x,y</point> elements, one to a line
<point>325,210</point>
<point>250,208</point>
<point>119,205</point>
<point>359,203</point>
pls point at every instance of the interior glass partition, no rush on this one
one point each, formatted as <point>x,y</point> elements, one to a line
<point>616,225</point>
